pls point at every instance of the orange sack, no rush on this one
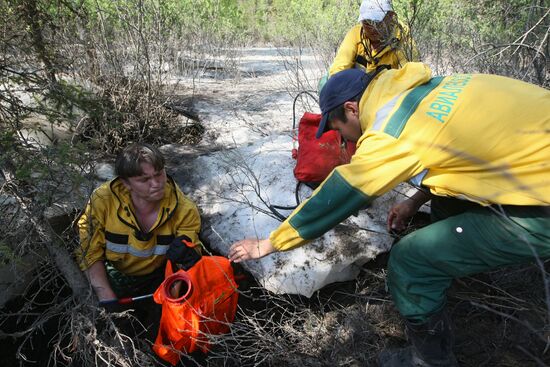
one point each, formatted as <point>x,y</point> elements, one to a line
<point>195,304</point>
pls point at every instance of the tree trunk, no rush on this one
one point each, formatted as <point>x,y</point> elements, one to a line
<point>59,254</point>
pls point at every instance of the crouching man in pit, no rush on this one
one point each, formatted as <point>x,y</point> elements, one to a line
<point>477,145</point>
<point>128,227</point>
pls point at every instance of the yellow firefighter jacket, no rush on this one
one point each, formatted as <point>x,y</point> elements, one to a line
<point>484,138</point>
<point>110,231</point>
<point>399,50</point>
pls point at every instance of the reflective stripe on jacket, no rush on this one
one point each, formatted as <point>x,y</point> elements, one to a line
<point>114,234</point>
<point>400,51</point>
<point>478,137</point>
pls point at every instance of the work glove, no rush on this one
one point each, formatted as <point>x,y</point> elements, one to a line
<point>182,253</point>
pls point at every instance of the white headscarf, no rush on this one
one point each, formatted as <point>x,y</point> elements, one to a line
<point>374,9</point>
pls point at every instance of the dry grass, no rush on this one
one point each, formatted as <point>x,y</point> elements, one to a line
<point>499,321</point>
<point>499,317</point>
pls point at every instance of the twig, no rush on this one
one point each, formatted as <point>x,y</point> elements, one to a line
<point>540,363</point>
<point>507,316</point>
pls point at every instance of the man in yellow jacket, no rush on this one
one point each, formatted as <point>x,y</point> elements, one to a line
<point>476,145</point>
<point>378,39</point>
<point>130,223</point>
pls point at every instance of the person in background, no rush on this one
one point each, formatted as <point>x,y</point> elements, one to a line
<point>379,39</point>
<point>129,225</point>
<point>476,145</point>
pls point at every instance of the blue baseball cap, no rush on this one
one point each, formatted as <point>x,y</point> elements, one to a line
<point>341,87</point>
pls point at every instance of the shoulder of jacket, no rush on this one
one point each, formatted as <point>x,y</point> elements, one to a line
<point>355,30</point>
<point>103,190</point>
<point>107,192</point>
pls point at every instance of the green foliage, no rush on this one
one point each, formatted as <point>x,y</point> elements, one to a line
<point>490,20</point>
<point>98,68</point>
<point>7,255</point>
<point>500,37</point>
<point>220,18</point>
<point>289,22</point>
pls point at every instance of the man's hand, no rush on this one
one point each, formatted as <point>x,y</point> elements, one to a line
<point>250,249</point>
<point>97,275</point>
<point>401,213</point>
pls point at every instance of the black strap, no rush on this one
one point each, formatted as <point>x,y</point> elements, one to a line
<point>361,60</point>
<point>274,208</point>
<point>374,73</point>
<point>309,93</point>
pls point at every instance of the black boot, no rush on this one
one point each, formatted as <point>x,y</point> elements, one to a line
<point>431,345</point>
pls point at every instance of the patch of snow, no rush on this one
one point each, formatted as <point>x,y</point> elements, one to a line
<point>234,189</point>
<point>251,117</point>
<point>104,171</point>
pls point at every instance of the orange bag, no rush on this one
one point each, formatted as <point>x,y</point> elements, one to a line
<point>205,305</point>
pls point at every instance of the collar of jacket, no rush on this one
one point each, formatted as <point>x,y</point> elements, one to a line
<point>168,205</point>
<point>384,92</point>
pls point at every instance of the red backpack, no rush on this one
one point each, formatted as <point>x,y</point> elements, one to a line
<point>316,158</point>
<point>204,303</point>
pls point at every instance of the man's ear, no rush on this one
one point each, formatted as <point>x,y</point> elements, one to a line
<point>352,106</point>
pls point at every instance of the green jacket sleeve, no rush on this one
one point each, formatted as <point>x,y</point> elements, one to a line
<point>380,163</point>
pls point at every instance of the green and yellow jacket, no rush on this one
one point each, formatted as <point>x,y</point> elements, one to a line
<point>110,231</point>
<point>482,138</point>
<point>399,50</point>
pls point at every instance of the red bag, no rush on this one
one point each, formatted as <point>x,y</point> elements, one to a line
<point>205,305</point>
<point>316,158</point>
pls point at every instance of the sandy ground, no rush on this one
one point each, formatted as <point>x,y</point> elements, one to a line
<point>251,97</point>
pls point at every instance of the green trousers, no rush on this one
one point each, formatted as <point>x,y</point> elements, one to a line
<point>145,310</point>
<point>132,286</point>
<point>464,239</point>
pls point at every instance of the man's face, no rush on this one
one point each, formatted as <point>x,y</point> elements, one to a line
<point>371,30</point>
<point>351,129</point>
<point>149,186</point>
<point>377,31</point>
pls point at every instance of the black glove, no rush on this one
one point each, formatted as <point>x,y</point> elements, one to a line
<point>182,252</point>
